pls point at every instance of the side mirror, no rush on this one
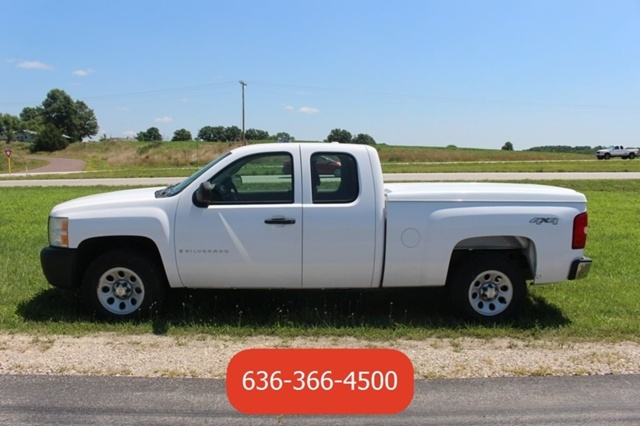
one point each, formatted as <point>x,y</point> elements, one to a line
<point>203,195</point>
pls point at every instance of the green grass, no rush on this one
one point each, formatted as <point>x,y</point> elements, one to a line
<point>603,307</point>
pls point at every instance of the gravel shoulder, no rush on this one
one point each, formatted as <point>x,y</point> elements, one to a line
<point>207,357</point>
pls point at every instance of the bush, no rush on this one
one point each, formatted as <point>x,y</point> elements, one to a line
<point>49,140</point>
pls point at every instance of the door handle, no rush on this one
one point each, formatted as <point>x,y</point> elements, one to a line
<point>280,221</point>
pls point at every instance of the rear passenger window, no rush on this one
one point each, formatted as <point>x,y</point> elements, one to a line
<point>334,178</point>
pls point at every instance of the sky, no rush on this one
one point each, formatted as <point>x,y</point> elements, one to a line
<point>470,73</point>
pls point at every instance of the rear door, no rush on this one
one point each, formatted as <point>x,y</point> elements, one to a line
<point>340,222</point>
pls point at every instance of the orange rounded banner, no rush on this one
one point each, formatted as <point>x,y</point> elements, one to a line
<point>320,381</point>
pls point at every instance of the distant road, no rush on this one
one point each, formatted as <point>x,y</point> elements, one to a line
<point>58,165</point>
<point>423,177</point>
<point>388,177</point>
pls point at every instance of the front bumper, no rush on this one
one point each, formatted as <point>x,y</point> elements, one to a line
<point>580,268</point>
<point>58,266</point>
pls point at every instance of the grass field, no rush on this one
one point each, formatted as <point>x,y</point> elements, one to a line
<point>605,306</point>
<point>161,159</point>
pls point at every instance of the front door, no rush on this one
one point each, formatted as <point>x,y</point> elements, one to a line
<point>250,235</point>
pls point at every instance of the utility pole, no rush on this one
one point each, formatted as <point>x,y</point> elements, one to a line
<point>244,140</point>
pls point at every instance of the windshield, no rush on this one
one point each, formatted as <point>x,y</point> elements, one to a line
<point>172,190</point>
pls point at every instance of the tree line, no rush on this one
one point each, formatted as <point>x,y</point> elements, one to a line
<point>60,120</point>
<point>213,134</point>
<point>233,134</point>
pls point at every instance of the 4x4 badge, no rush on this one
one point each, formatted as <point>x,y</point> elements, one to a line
<point>541,220</point>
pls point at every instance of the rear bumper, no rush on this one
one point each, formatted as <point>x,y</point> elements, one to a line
<point>58,266</point>
<point>580,268</point>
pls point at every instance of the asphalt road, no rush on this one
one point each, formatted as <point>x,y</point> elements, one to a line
<point>583,400</point>
<point>58,165</point>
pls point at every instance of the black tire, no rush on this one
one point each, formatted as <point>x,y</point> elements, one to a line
<point>607,156</point>
<point>487,287</point>
<point>632,156</point>
<point>122,285</point>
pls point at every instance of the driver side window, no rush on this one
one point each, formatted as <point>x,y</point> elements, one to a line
<point>255,179</point>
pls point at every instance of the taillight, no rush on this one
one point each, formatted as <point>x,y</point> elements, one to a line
<point>580,225</point>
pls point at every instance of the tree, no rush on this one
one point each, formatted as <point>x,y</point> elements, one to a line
<point>256,135</point>
<point>86,124</point>
<point>49,139</point>
<point>31,119</point>
<point>181,135</point>
<point>9,124</point>
<point>30,113</point>
<point>363,139</point>
<point>150,135</point>
<point>508,146</point>
<point>339,135</point>
<point>74,119</point>
<point>232,133</point>
<point>211,133</point>
<point>283,136</point>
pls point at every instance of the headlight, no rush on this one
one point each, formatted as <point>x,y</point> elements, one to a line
<point>59,231</point>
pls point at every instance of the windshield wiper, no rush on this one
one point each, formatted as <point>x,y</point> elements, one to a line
<point>166,191</point>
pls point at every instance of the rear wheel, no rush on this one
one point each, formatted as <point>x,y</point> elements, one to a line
<point>123,284</point>
<point>632,156</point>
<point>487,287</point>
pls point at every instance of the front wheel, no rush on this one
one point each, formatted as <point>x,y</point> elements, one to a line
<point>123,284</point>
<point>487,287</point>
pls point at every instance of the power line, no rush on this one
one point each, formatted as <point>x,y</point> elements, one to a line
<point>279,87</point>
<point>141,94</point>
<point>419,97</point>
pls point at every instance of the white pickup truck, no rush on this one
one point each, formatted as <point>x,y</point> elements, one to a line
<point>240,222</point>
<point>617,151</point>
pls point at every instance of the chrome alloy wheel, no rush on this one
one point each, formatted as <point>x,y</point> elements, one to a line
<point>490,293</point>
<point>120,291</point>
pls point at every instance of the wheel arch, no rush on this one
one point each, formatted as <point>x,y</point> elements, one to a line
<point>92,248</point>
<point>520,250</point>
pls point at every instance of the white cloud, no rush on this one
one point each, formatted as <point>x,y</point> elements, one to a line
<point>164,119</point>
<point>288,108</point>
<point>129,133</point>
<point>34,65</point>
<point>83,73</point>
<point>309,110</point>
